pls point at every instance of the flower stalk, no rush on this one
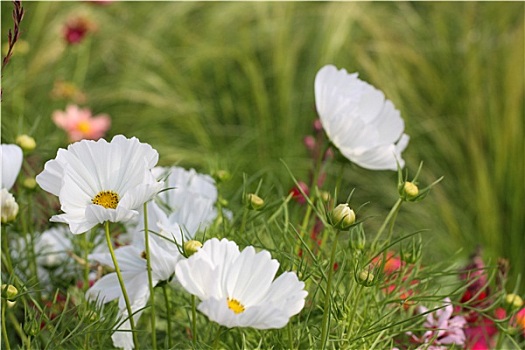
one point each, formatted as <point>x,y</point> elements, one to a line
<point>150,278</point>
<point>122,285</point>
<point>326,309</point>
<point>168,313</point>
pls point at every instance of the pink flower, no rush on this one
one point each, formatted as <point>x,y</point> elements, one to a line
<point>519,319</point>
<point>80,124</point>
<point>480,334</point>
<point>443,329</point>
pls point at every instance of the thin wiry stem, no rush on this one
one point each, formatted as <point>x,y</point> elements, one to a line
<point>168,313</point>
<point>150,279</point>
<point>326,309</point>
<point>122,285</point>
<point>4,328</point>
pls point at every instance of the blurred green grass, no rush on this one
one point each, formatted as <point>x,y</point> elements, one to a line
<point>230,85</point>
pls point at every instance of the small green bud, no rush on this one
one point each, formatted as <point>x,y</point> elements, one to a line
<point>26,142</point>
<point>325,196</point>
<point>342,217</point>
<point>358,238</point>
<point>191,247</point>
<point>31,327</point>
<point>365,278</point>
<point>254,201</point>
<point>514,301</point>
<point>9,291</point>
<point>222,175</point>
<point>29,183</point>
<point>410,190</point>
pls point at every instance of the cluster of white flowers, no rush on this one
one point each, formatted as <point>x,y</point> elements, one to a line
<point>99,182</point>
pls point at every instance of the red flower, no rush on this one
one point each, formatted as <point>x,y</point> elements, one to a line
<point>297,195</point>
<point>76,29</point>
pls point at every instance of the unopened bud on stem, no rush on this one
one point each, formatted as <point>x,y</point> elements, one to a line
<point>342,216</point>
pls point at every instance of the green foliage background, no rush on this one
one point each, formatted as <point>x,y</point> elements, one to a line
<point>230,85</point>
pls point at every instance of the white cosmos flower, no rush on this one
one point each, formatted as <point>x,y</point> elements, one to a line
<point>12,157</point>
<point>98,181</point>
<point>52,247</point>
<point>189,201</point>
<point>359,121</point>
<point>237,289</point>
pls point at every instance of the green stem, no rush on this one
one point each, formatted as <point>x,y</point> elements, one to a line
<point>326,309</point>
<point>19,331</point>
<point>4,328</point>
<point>122,285</point>
<point>244,219</point>
<point>6,257</point>
<point>290,336</point>
<point>85,253</point>
<point>391,214</point>
<point>193,322</point>
<point>304,226</point>
<point>351,318</point>
<point>150,279</point>
<point>217,337</point>
<point>168,313</point>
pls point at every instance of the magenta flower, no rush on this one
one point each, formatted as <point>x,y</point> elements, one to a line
<point>80,124</point>
<point>76,30</point>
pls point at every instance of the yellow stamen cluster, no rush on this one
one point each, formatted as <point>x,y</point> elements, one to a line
<point>107,199</point>
<point>235,306</point>
<point>84,127</point>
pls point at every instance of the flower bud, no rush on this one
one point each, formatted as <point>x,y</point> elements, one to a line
<point>29,183</point>
<point>254,201</point>
<point>358,238</point>
<point>191,247</point>
<point>325,196</point>
<point>221,175</point>
<point>410,190</point>
<point>26,142</point>
<point>9,206</point>
<point>514,301</point>
<point>9,291</point>
<point>365,278</point>
<point>342,216</point>
<point>31,326</point>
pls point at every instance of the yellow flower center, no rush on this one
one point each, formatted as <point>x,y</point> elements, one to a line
<point>235,306</point>
<point>84,127</point>
<point>107,199</point>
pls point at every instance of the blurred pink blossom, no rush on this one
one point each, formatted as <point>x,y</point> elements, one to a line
<point>80,124</point>
<point>442,327</point>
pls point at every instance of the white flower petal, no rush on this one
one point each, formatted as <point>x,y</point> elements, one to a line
<point>287,294</point>
<point>250,276</point>
<point>105,289</point>
<point>358,120</point>
<point>12,157</point>
<point>199,276</point>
